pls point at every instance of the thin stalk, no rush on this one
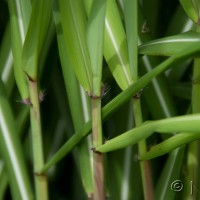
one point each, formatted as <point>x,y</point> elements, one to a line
<point>193,155</point>
<point>40,179</point>
<point>131,11</point>
<point>144,165</point>
<point>99,193</point>
<point>193,149</point>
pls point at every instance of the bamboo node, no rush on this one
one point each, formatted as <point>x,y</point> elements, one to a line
<point>94,151</point>
<point>26,101</point>
<point>40,174</point>
<point>138,94</point>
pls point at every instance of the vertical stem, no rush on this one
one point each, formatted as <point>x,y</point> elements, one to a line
<point>40,179</point>
<point>193,155</point>
<point>99,193</point>
<point>144,165</point>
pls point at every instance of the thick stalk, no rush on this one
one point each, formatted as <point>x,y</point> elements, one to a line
<point>40,179</point>
<point>99,193</point>
<point>144,165</point>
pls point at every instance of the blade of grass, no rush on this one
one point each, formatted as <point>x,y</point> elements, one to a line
<point>35,37</point>
<point>73,21</point>
<point>173,124</point>
<point>18,31</point>
<point>172,166</point>
<point>191,10</point>
<point>170,144</point>
<point>169,46</point>
<point>6,61</point>
<point>12,152</point>
<point>3,180</point>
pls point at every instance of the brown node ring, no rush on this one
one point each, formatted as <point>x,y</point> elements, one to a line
<point>94,150</point>
<point>40,174</point>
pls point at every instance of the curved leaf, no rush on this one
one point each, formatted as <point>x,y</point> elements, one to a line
<point>187,123</point>
<point>19,15</point>
<point>170,144</point>
<point>191,9</point>
<point>171,45</point>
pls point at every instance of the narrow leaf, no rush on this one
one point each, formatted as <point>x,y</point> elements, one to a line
<point>78,102</point>
<point>131,22</point>
<point>95,36</point>
<point>187,123</point>
<point>115,46</point>
<point>11,151</point>
<point>190,9</point>
<point>73,21</point>
<point>169,46</point>
<point>170,173</point>
<point>18,31</point>
<point>170,144</point>
<point>35,37</point>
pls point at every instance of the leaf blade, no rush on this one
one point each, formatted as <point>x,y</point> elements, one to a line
<point>95,35</point>
<point>73,22</point>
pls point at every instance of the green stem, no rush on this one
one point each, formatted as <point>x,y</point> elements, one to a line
<point>99,193</point>
<point>40,179</point>
<point>144,165</point>
<point>193,155</point>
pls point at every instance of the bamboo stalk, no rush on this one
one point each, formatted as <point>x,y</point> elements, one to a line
<point>144,165</point>
<point>40,179</point>
<point>193,148</point>
<point>99,193</point>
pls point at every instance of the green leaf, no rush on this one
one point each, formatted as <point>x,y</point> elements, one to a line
<point>6,61</point>
<point>115,46</point>
<point>11,150</point>
<point>79,110</point>
<point>171,45</point>
<point>73,21</point>
<point>170,173</point>
<point>35,37</point>
<point>191,8</point>
<point>131,22</point>
<point>95,36</point>
<point>187,123</point>
<point>170,144</point>
<point>19,12</point>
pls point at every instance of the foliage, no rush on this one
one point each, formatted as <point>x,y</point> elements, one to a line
<point>99,99</point>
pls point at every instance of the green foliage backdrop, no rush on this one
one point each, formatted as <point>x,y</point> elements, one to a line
<point>99,99</point>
